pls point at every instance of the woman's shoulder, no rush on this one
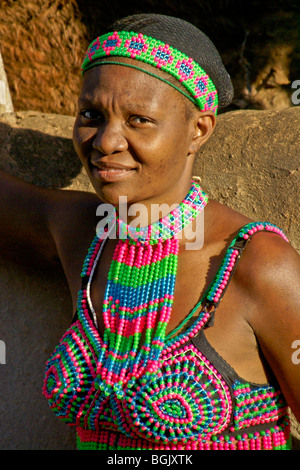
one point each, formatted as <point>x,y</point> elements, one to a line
<point>268,260</point>
<point>225,223</point>
<point>72,218</point>
<point>266,293</point>
<point>72,207</point>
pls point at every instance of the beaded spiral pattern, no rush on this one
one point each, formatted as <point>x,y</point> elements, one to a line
<point>185,404</point>
<point>186,400</point>
<point>200,87</point>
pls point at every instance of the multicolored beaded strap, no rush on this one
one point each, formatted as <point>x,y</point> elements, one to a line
<point>139,296</point>
<point>275,438</point>
<point>213,295</point>
<point>201,90</point>
<point>229,263</point>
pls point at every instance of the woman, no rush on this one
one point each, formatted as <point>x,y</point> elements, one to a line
<point>176,344</point>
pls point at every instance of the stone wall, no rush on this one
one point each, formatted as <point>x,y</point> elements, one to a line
<point>251,164</point>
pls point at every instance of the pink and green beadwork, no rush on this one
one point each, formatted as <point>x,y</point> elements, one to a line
<point>139,295</point>
<point>185,404</point>
<point>229,262</point>
<point>186,400</point>
<point>200,88</point>
<point>168,226</point>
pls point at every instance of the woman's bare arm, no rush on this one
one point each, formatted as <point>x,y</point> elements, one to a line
<point>39,225</point>
<point>24,230</point>
<point>274,281</point>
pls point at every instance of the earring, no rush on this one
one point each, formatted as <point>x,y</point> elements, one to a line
<point>197,179</point>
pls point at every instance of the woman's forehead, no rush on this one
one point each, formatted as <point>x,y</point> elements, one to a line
<point>124,82</point>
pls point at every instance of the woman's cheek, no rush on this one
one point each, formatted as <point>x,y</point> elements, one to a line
<point>82,140</point>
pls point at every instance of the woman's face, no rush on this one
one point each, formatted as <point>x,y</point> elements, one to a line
<point>133,136</point>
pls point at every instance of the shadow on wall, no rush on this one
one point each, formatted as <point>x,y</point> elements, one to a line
<point>35,305</point>
<point>36,153</point>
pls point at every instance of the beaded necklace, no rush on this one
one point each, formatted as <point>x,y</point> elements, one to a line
<point>139,294</point>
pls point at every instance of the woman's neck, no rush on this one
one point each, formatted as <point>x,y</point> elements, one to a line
<point>147,212</point>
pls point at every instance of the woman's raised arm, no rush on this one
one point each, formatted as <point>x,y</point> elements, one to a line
<point>24,229</point>
<point>38,224</point>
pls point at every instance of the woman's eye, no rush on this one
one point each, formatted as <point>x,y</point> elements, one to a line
<point>139,120</point>
<point>91,115</point>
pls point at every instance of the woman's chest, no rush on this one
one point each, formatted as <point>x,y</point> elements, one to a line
<point>143,299</point>
<point>185,281</point>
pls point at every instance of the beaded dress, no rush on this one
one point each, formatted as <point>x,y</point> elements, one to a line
<point>194,400</point>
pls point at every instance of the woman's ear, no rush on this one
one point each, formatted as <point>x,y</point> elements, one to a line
<point>204,124</point>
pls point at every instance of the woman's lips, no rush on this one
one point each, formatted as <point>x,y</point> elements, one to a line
<point>112,173</point>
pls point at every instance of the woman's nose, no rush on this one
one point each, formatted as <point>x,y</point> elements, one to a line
<point>110,139</point>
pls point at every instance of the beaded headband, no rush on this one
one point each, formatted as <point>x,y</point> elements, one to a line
<point>152,51</point>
